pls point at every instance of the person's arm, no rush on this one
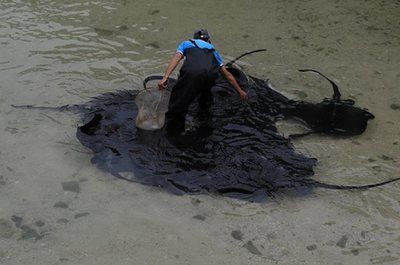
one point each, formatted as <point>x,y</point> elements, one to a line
<point>233,82</point>
<point>171,67</point>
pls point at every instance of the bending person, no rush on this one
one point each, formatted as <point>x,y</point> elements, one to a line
<point>200,70</point>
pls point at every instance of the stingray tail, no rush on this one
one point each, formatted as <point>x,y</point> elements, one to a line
<point>336,92</point>
<point>229,64</point>
<point>350,187</point>
<point>72,108</point>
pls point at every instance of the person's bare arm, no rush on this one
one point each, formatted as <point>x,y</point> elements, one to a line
<point>233,82</point>
<point>171,67</point>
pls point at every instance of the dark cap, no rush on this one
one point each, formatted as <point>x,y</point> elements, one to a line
<point>201,34</point>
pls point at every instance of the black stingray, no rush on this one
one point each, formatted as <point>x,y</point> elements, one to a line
<point>235,151</point>
<point>331,116</point>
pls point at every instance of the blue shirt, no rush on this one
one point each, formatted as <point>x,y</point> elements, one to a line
<point>202,44</point>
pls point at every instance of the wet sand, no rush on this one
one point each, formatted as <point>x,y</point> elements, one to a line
<point>57,208</point>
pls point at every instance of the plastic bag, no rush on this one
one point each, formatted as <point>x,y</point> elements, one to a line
<point>152,105</point>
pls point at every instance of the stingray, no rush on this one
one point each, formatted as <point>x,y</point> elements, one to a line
<point>235,151</point>
<point>332,116</point>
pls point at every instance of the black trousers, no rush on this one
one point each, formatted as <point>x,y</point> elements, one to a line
<point>190,85</point>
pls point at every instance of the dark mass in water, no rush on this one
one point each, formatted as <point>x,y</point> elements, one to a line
<point>331,116</point>
<point>236,150</point>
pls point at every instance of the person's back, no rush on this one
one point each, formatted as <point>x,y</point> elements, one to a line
<point>200,57</point>
<point>198,74</point>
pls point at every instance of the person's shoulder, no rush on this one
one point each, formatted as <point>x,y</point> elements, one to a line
<point>204,43</point>
<point>183,46</point>
<point>186,42</point>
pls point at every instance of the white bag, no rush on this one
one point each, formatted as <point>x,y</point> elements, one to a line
<point>152,105</point>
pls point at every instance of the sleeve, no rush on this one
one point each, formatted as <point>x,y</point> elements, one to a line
<point>182,47</point>
<point>218,58</point>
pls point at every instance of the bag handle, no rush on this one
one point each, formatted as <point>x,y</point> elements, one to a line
<point>155,77</point>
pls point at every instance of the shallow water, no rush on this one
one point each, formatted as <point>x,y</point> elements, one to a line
<point>54,53</point>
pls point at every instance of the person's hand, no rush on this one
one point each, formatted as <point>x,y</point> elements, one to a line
<point>162,84</point>
<point>243,95</point>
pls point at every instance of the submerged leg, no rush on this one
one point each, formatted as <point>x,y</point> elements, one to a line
<point>182,95</point>
<point>205,99</point>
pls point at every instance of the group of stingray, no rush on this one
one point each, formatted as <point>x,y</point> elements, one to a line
<point>237,152</point>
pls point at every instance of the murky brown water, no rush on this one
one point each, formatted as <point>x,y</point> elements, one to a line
<point>64,52</point>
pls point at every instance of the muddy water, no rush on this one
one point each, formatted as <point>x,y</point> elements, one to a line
<point>56,208</point>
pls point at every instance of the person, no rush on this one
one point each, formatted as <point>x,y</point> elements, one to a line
<point>200,70</point>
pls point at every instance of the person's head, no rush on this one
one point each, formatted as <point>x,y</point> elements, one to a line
<point>201,34</point>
